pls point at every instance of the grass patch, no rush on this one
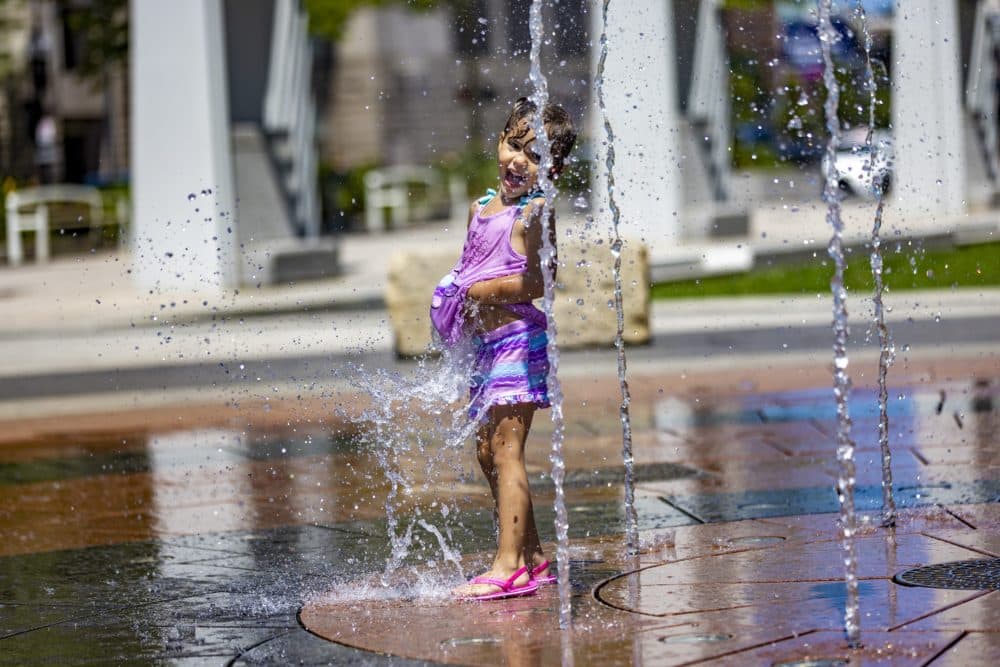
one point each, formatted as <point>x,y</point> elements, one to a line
<point>906,267</point>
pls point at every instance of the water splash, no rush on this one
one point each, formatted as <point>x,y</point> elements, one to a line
<point>631,517</point>
<point>887,351</point>
<point>548,258</point>
<point>842,382</point>
<point>417,421</point>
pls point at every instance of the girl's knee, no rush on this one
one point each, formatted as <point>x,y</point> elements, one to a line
<point>506,450</point>
<point>484,452</point>
<point>504,442</point>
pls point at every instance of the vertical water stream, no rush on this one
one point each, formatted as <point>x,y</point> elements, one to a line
<point>549,259</point>
<point>842,382</point>
<point>887,352</point>
<point>631,518</point>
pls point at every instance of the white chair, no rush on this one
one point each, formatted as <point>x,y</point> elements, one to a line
<point>37,200</point>
<point>390,188</point>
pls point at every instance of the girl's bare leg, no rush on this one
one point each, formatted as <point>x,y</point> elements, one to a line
<point>532,547</point>
<point>500,448</point>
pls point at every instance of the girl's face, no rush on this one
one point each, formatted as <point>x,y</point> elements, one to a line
<point>517,161</point>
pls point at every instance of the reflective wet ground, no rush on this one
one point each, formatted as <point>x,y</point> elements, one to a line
<point>223,536</point>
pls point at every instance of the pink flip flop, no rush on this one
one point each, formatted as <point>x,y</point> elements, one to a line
<point>547,579</point>
<point>507,587</point>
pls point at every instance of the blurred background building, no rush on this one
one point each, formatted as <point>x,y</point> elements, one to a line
<point>64,114</point>
<point>428,82</point>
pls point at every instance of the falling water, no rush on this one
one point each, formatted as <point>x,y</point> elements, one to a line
<point>886,348</point>
<point>417,420</point>
<point>631,519</point>
<point>548,258</point>
<point>842,382</point>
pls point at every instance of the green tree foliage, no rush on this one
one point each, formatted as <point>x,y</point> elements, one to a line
<point>8,23</point>
<point>329,19</point>
<point>103,29</point>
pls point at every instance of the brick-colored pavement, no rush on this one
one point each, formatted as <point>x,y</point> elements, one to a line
<point>736,474</point>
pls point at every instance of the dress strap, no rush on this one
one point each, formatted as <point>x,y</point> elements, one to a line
<point>534,194</point>
<point>525,198</point>
<point>490,194</point>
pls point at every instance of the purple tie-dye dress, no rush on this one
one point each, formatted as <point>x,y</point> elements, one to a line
<point>511,361</point>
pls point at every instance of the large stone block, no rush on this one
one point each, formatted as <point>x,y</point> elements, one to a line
<point>585,291</point>
<point>413,274</point>
<point>584,303</point>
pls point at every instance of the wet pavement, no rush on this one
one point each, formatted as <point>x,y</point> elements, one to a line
<point>256,534</point>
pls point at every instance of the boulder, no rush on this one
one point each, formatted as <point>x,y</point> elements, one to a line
<point>585,291</point>
<point>584,301</point>
<point>413,274</point>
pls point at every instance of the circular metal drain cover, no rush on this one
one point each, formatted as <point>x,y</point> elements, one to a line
<point>963,575</point>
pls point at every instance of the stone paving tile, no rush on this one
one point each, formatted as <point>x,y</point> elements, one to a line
<point>694,642</point>
<point>902,649</point>
<point>965,454</point>
<point>973,648</point>
<point>300,647</point>
<point>697,540</point>
<point>771,474</point>
<point>711,507</point>
<point>981,614</point>
<point>100,642</point>
<point>795,605</point>
<point>745,561</point>
<point>142,609</point>
<point>704,450</point>
<point>821,527</point>
<point>982,517</point>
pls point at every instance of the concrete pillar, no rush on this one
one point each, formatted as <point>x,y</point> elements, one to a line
<point>929,169</point>
<point>708,103</point>
<point>181,147</point>
<point>640,92</point>
<point>981,89</point>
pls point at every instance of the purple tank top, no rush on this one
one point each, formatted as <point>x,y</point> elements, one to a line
<point>487,254</point>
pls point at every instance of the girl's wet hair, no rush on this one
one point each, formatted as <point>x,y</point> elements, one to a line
<point>558,126</point>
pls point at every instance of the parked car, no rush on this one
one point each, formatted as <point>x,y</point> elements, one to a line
<point>858,173</point>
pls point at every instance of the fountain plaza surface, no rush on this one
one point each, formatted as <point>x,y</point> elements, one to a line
<point>191,489</point>
<point>244,535</point>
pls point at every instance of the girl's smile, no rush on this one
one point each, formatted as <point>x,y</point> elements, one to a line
<point>518,163</point>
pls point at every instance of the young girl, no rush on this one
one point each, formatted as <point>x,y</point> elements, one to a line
<point>487,297</point>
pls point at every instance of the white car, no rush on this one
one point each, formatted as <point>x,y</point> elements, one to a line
<point>858,174</point>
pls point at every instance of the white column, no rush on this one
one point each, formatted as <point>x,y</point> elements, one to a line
<point>640,92</point>
<point>981,88</point>
<point>929,168</point>
<point>181,146</point>
<point>708,101</point>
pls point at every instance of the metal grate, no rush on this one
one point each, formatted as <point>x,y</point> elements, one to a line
<point>964,575</point>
